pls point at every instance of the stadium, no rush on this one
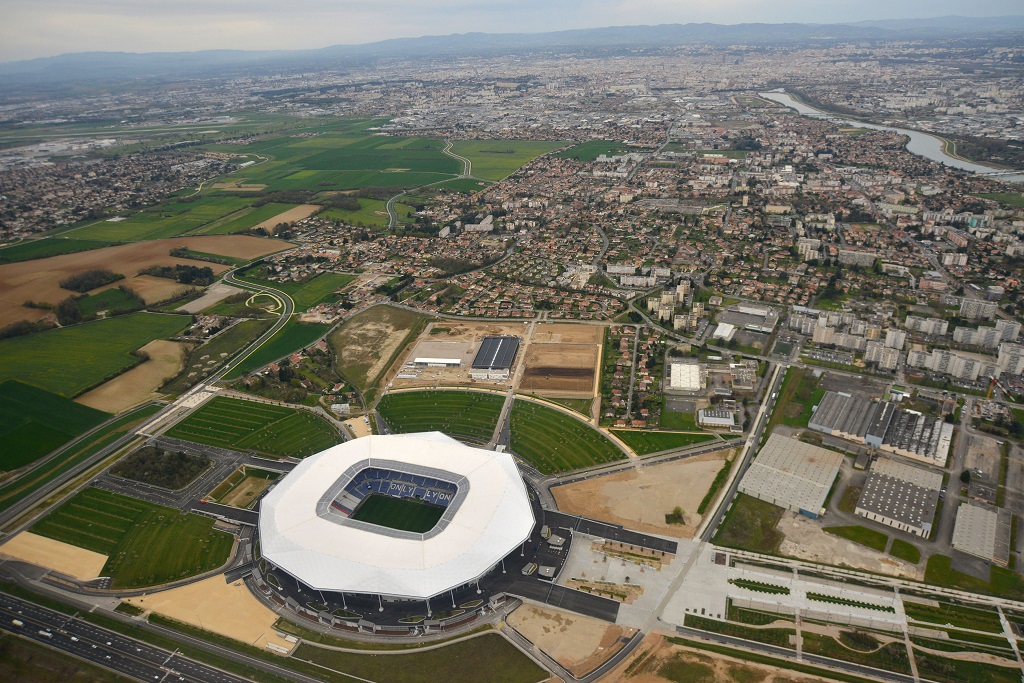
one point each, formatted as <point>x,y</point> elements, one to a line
<point>388,520</point>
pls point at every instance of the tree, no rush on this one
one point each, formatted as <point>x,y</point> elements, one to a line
<point>965,476</point>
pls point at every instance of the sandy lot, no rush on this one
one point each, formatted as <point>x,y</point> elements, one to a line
<point>212,604</point>
<point>639,498</point>
<point>214,293</point>
<point>62,557</point>
<point>290,216</point>
<point>561,369</point>
<point>358,427</point>
<point>655,652</point>
<point>563,333</point>
<point>139,384</point>
<point>38,280</point>
<point>246,492</point>
<point>806,540</point>
<point>576,642</point>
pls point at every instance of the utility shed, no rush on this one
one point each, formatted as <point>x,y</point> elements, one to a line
<point>898,503</point>
<point>792,474</point>
<point>983,531</point>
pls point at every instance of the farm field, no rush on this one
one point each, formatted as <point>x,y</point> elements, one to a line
<point>470,414</point>
<point>206,358</point>
<point>368,342</point>
<point>243,425</point>
<point>404,514</point>
<point>552,441</point>
<point>33,422</point>
<point>72,456</point>
<point>592,149</point>
<point>113,300</point>
<point>169,219</point>
<point>292,337</point>
<point>44,248</point>
<point>310,293</point>
<point>243,219</point>
<point>645,442</point>
<point>146,544</point>
<point>560,369</point>
<point>69,360</point>
<point>496,159</point>
<point>372,214</point>
<point>243,487</point>
<point>467,185</point>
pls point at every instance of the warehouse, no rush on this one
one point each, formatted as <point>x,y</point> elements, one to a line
<point>437,362</point>
<point>495,358</point>
<point>898,503</point>
<point>685,377</point>
<point>983,531</point>
<point>792,474</point>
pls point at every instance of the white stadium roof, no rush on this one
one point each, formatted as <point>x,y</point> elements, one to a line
<point>489,517</point>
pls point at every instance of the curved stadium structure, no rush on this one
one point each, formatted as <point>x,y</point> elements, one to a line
<point>404,517</point>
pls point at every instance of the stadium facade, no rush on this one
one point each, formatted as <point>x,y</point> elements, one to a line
<point>312,527</point>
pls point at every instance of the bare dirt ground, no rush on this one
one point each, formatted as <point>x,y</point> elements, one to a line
<point>214,293</point>
<point>239,186</point>
<point>561,368</point>
<point>645,662</point>
<point>358,427</point>
<point>39,280</point>
<point>290,216</point>
<point>213,605</point>
<point>806,540</point>
<point>565,333</point>
<point>139,384</point>
<point>246,492</point>
<point>640,498</point>
<point>366,342</point>
<point>578,643</point>
<point>62,557</point>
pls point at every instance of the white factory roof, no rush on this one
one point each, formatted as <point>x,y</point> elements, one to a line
<point>976,531</point>
<point>489,517</point>
<point>724,331</point>
<point>792,474</point>
<point>685,377</point>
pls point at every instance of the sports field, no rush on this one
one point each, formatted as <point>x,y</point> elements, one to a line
<point>243,425</point>
<point>44,248</point>
<point>553,441</point>
<point>69,360</point>
<point>292,337</point>
<point>147,544</point>
<point>470,414</point>
<point>496,159</point>
<point>644,442</point>
<point>33,422</point>
<point>404,514</point>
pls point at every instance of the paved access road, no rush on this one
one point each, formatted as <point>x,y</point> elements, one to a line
<point>103,647</point>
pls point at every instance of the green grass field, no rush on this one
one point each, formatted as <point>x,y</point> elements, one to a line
<point>169,219</point>
<point>113,300</point>
<point>220,348</point>
<point>23,660</point>
<point>243,425</point>
<point>467,185</point>
<point>905,551</point>
<point>146,544</point>
<point>44,248</point>
<point>553,442</point>
<point>70,360</point>
<point>372,214</point>
<point>318,290</point>
<point>644,442</point>
<point>292,337</point>
<point>496,159</point>
<point>243,219</point>
<point>404,514</point>
<point>750,525</point>
<point>592,149</point>
<point>870,538</point>
<point>34,422</point>
<point>679,421</point>
<point>471,414</point>
<point>1008,198</point>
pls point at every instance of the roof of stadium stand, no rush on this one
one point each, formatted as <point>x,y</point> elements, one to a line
<point>490,516</point>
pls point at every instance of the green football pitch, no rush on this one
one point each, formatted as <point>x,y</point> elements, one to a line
<point>404,514</point>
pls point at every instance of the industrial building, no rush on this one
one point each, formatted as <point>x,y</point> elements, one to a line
<point>884,426</point>
<point>792,474</point>
<point>495,358</point>
<point>901,496</point>
<point>437,362</point>
<point>716,419</point>
<point>983,531</point>
<point>686,377</point>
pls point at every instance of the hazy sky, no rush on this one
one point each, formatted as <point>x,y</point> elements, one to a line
<point>39,28</point>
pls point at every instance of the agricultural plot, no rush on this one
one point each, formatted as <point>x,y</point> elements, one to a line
<point>113,300</point>
<point>496,159</point>
<point>243,487</point>
<point>44,248</point>
<point>404,514</point>
<point>553,441</point>
<point>146,544</point>
<point>469,414</point>
<point>292,337</point>
<point>243,425</point>
<point>372,213</point>
<point>467,185</point>
<point>243,219</point>
<point>69,360</point>
<point>33,422</point>
<point>644,442</point>
<point>166,220</point>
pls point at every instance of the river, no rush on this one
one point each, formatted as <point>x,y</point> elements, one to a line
<point>921,144</point>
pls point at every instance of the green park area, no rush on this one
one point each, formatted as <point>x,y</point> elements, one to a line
<point>372,213</point>
<point>645,442</point>
<point>553,441</point>
<point>267,429</point>
<point>496,159</point>
<point>467,414</point>
<point>34,422</point>
<point>290,338</point>
<point>146,544</point>
<point>316,290</point>
<point>70,360</point>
